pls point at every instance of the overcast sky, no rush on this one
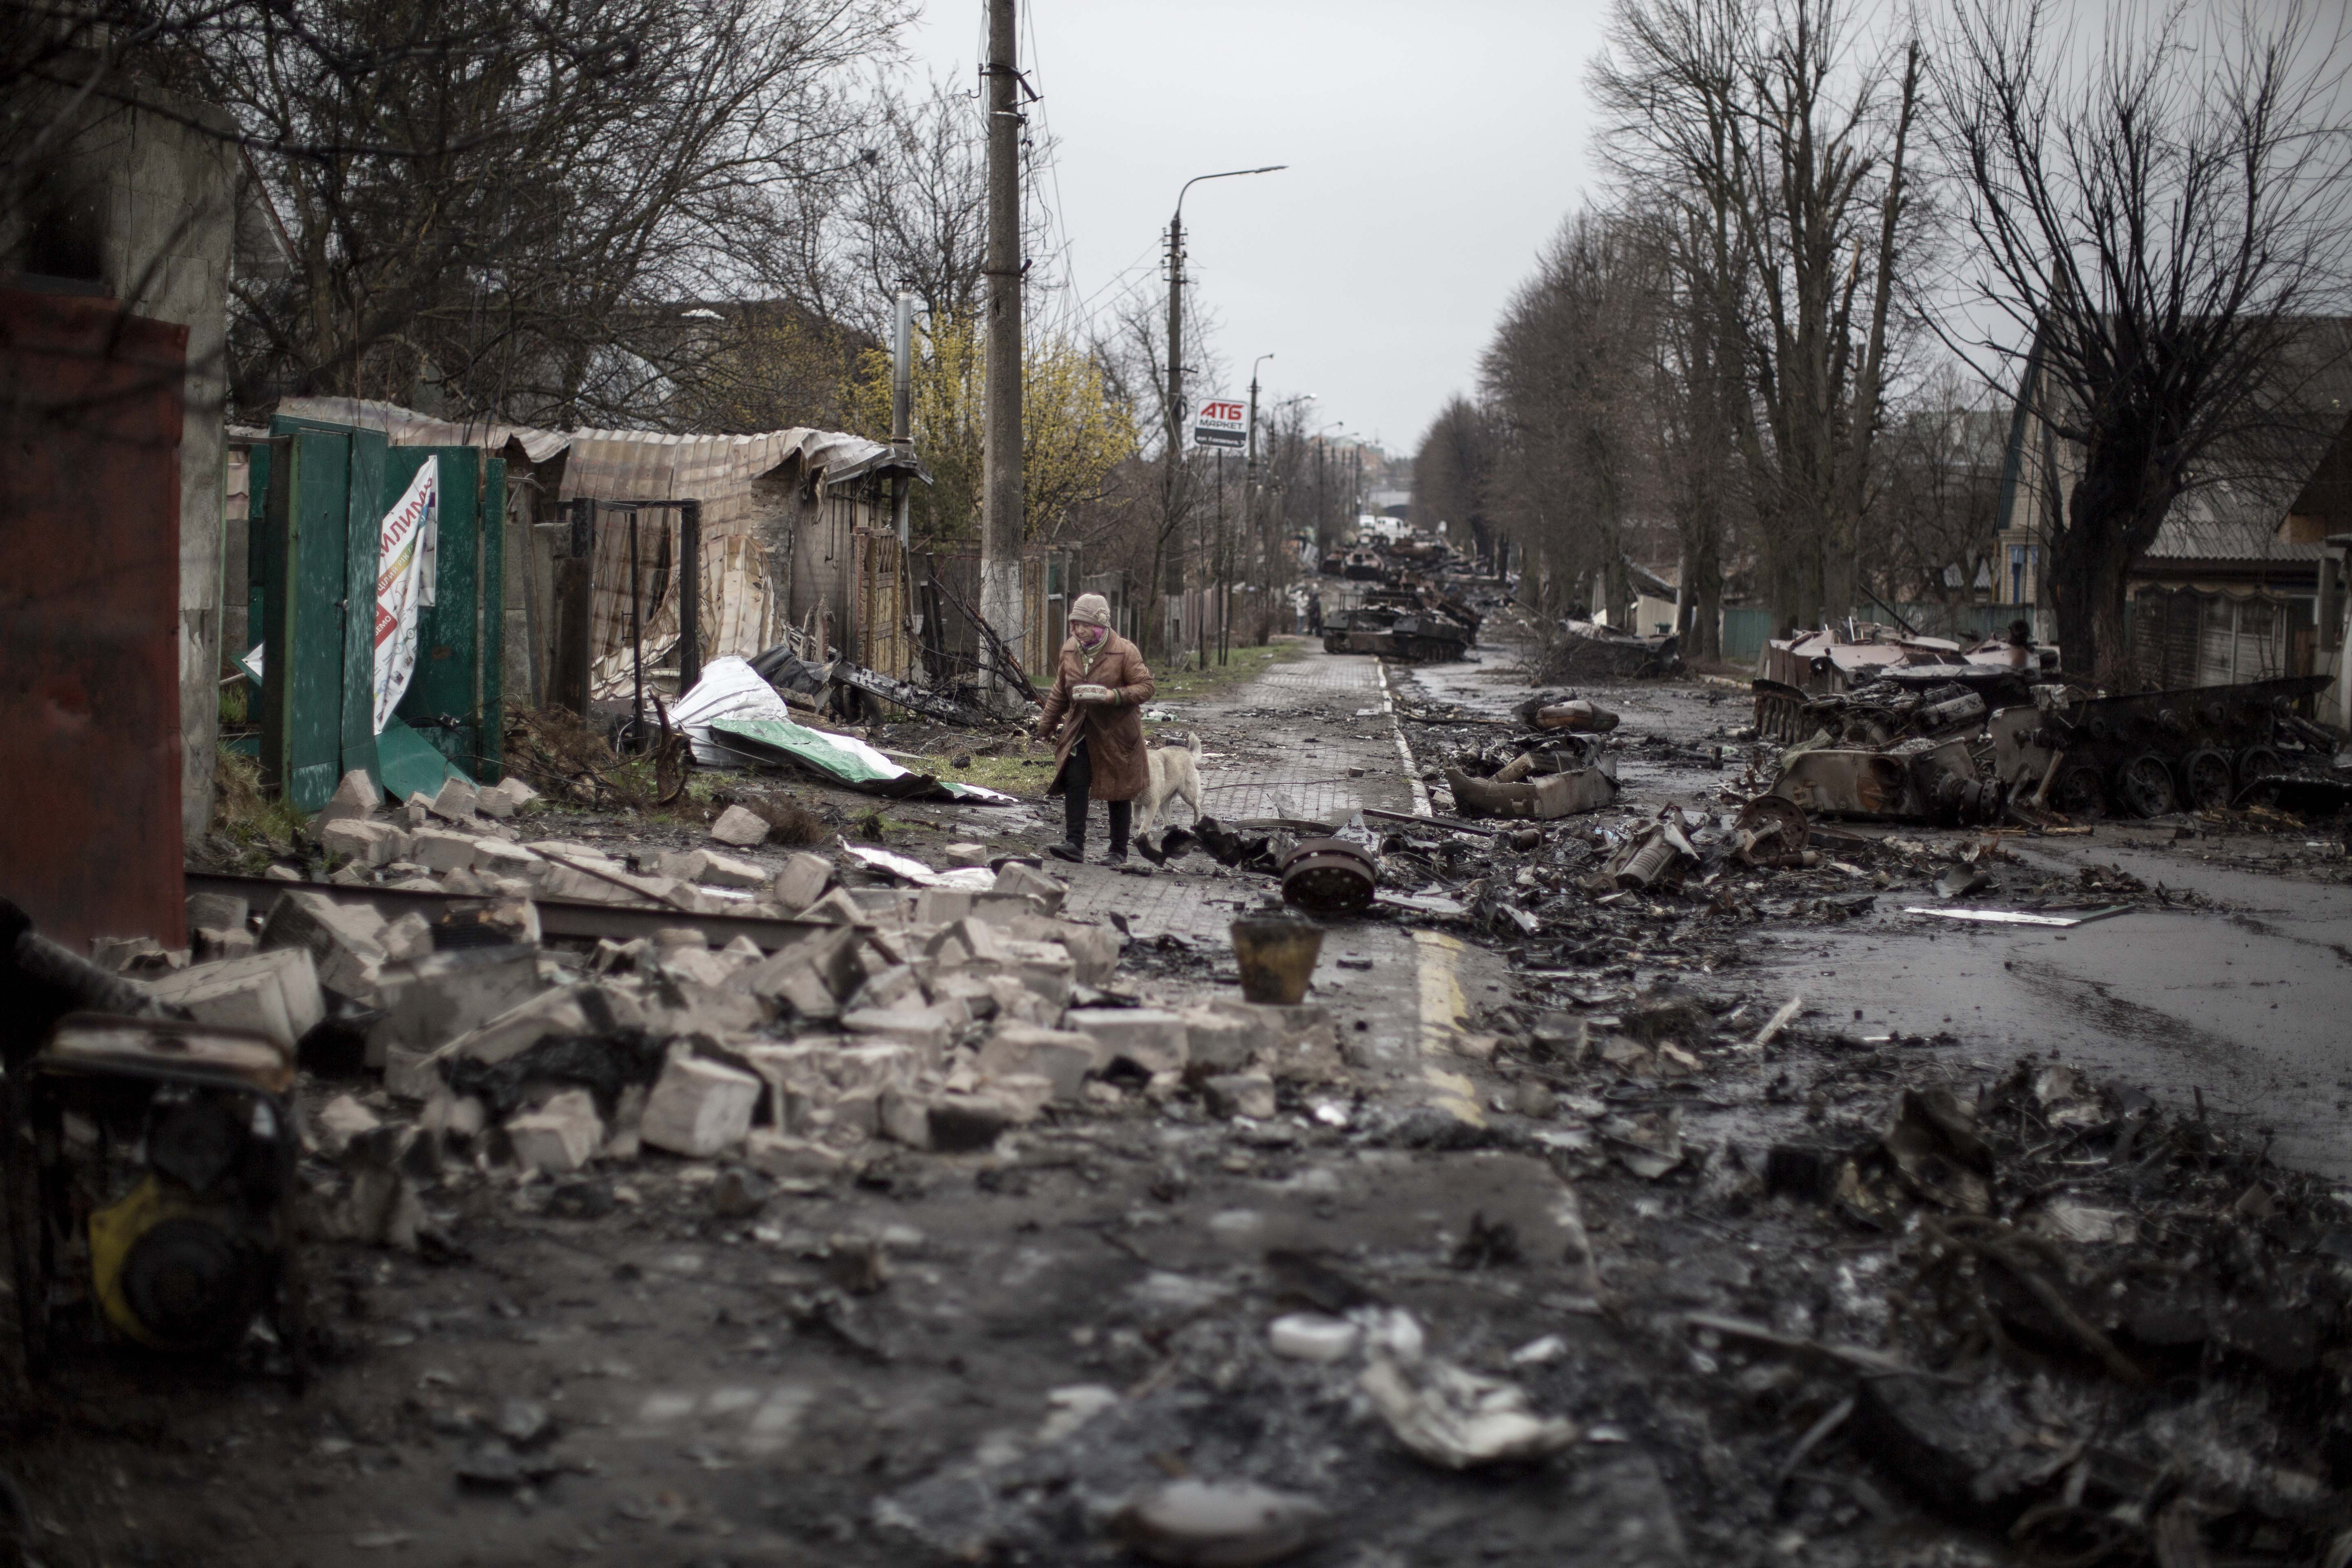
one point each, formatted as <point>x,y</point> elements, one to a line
<point>1433,151</point>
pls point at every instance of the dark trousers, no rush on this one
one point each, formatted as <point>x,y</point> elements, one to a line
<point>1077,780</point>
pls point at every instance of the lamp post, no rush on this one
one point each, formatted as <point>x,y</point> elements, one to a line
<point>1176,358</point>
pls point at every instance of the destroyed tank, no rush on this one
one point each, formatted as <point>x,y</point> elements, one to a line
<point>2155,751</point>
<point>1414,634</point>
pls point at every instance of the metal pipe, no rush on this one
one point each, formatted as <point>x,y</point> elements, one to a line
<point>902,406</point>
<point>636,644</point>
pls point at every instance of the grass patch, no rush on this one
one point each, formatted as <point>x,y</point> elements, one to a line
<point>243,812</point>
<point>1008,775</point>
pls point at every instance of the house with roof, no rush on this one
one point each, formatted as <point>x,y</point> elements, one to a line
<point>2233,587</point>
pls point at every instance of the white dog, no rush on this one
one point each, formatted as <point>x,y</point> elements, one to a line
<point>1175,772</point>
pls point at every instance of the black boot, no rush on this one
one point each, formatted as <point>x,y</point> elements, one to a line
<point>1122,813</point>
<point>1066,851</point>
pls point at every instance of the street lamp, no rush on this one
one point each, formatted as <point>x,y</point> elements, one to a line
<point>1172,520</point>
<point>1176,296</point>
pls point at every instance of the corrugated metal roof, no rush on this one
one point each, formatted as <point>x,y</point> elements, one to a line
<point>2226,522</point>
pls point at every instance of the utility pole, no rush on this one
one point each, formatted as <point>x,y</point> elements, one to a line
<point>1001,602</point>
<point>1249,467</point>
<point>902,405</point>
<point>1175,454</point>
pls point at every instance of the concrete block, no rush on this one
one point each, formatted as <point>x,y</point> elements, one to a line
<point>407,939</point>
<point>837,907</point>
<point>1000,909</point>
<point>684,864</point>
<point>455,801</point>
<point>1152,1040</point>
<point>1220,1042</point>
<point>464,884</point>
<point>874,1066</point>
<point>808,976</point>
<point>586,1007</point>
<point>698,1108</point>
<point>416,811</point>
<point>1093,950</point>
<point>440,850</point>
<point>351,874</point>
<point>495,857</point>
<point>276,992</point>
<point>504,798</point>
<point>217,911</point>
<point>362,841</point>
<point>742,950</point>
<point>1023,1096</point>
<point>679,1007</point>
<point>942,906</point>
<point>923,1028</point>
<point>1304,1041</point>
<point>905,1118</point>
<point>968,989</point>
<point>731,871</point>
<point>355,798</point>
<point>418,883</point>
<point>1017,1004</point>
<point>339,1121</point>
<point>559,1137</point>
<point>211,945</point>
<point>1239,1094</point>
<point>803,881</point>
<point>788,1158</point>
<point>455,1116</point>
<point>1016,878</point>
<point>1063,1057</point>
<point>429,1002</point>
<point>740,827</point>
<point>345,939</point>
<point>1045,967</point>
<point>964,854</point>
<point>895,986</point>
<point>969,941</point>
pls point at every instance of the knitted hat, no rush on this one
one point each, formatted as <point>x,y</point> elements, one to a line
<point>1091,607</point>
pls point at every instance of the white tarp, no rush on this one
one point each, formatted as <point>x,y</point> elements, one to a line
<point>730,689</point>
<point>406,541</point>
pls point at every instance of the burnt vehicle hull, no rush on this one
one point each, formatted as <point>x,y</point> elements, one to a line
<point>2155,751</point>
<point>1416,638</point>
<point>1586,650</point>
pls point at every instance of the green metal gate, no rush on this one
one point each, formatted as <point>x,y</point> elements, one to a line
<point>314,562</point>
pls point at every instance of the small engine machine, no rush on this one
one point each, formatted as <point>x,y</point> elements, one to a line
<point>150,1181</point>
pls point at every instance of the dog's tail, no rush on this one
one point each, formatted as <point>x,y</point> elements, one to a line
<point>1192,742</point>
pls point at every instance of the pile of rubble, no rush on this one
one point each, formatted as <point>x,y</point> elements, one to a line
<point>930,1018</point>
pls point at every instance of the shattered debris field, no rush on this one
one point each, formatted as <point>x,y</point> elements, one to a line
<point>788,1175</point>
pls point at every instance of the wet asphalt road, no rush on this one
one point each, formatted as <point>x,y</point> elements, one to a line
<point>2247,1003</point>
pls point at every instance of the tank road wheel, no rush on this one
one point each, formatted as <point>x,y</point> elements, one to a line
<point>2254,763</point>
<point>2079,792</point>
<point>2205,779</point>
<point>2144,785</point>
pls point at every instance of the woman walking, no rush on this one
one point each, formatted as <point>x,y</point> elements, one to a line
<point>1098,685</point>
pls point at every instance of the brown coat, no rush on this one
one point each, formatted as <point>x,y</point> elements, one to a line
<point>1114,731</point>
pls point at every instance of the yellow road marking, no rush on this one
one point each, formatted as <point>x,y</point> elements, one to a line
<point>1440,1003</point>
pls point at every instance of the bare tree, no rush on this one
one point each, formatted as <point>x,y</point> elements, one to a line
<point>1933,506</point>
<point>1567,379</point>
<point>2151,214</point>
<point>1787,160</point>
<point>1454,472</point>
<point>492,204</point>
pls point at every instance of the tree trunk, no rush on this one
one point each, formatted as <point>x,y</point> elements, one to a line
<point>2110,521</point>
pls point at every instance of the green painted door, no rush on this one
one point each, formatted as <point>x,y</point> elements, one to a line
<point>318,602</point>
<point>454,698</point>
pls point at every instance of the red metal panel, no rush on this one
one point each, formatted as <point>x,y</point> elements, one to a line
<point>90,580</point>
